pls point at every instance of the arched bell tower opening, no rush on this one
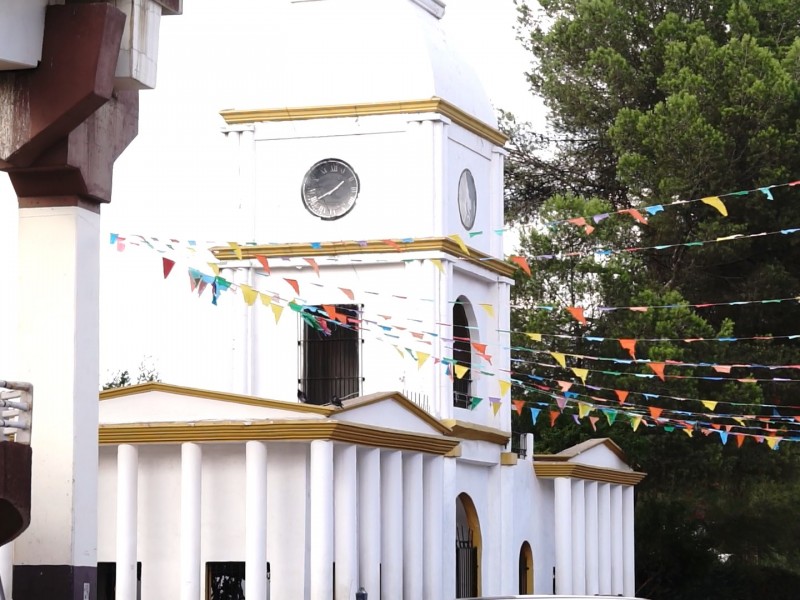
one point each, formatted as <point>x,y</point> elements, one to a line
<point>468,548</point>
<point>525,569</point>
<point>463,334</point>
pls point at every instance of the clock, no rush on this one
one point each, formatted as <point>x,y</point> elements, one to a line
<point>330,188</point>
<point>467,199</point>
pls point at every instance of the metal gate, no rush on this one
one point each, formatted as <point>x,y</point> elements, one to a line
<point>466,564</point>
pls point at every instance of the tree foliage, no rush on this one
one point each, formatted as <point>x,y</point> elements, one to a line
<point>650,102</point>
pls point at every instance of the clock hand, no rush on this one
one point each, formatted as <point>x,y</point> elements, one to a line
<point>328,193</point>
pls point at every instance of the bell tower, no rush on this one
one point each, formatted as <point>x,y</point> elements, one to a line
<point>377,156</point>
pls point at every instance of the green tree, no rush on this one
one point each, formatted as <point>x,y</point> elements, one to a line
<point>147,374</point>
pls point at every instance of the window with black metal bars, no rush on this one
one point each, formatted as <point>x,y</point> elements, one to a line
<point>462,355</point>
<point>330,353</point>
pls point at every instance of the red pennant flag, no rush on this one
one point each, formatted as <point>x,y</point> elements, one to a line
<point>655,411</point>
<point>577,313</point>
<point>193,282</point>
<point>658,369</point>
<point>593,421</point>
<point>294,284</point>
<point>521,263</point>
<point>392,244</point>
<point>553,416</point>
<point>621,395</point>
<point>636,215</point>
<point>739,439</point>
<point>479,348</point>
<point>264,263</point>
<point>519,405</point>
<point>167,265</point>
<point>348,293</point>
<point>313,264</point>
<point>331,310</point>
<point>630,346</point>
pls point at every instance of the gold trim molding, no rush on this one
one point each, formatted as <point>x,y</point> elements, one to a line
<point>435,104</point>
<point>508,459</point>
<point>471,431</point>
<point>552,470</point>
<point>432,244</point>
<point>278,431</point>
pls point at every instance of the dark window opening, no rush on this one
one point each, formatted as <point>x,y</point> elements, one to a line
<point>225,580</point>
<point>107,580</point>
<point>462,355</point>
<point>330,352</point>
<point>466,564</point>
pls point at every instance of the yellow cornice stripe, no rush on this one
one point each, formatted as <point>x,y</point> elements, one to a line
<point>590,473</point>
<point>437,105</point>
<point>471,431</point>
<point>284,431</point>
<point>212,395</point>
<point>432,244</point>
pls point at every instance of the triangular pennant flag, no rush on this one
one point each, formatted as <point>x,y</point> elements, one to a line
<point>313,264</point>
<point>237,249</point>
<point>773,441</point>
<point>489,309</point>
<point>265,300</point>
<point>167,265</point>
<point>504,386</point>
<point>577,314</point>
<point>739,439</point>
<point>521,263</point>
<point>564,385</point>
<point>214,268</point>
<point>560,358</point>
<point>553,416</point>
<point>201,287</point>
<point>723,436</point>
<point>518,406</point>
<point>438,264</point>
<point>250,295</point>
<point>294,284</point>
<point>581,374</point>
<point>722,368</point>
<point>264,263</point>
<point>611,415</point>
<point>561,401</point>
<point>655,411</point>
<point>277,311</point>
<point>479,347</point>
<point>347,293</point>
<point>636,215</point>
<point>457,239</point>
<point>657,368</point>
<point>688,431</point>
<point>710,404</point>
<point>421,358</point>
<point>460,370</point>
<point>536,337</point>
<point>473,402</point>
<point>584,409</point>
<point>621,395</point>
<point>716,203</point>
<point>496,404</point>
<point>636,420</point>
<point>593,421</point>
<point>630,346</point>
<point>535,414</point>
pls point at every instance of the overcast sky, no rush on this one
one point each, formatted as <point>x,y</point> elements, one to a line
<point>166,178</point>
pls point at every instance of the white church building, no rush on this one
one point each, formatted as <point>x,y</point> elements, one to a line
<point>356,431</point>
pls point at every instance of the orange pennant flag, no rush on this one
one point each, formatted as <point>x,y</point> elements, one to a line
<point>521,263</point>
<point>621,395</point>
<point>577,314</point>
<point>655,411</point>
<point>313,264</point>
<point>553,416</point>
<point>294,284</point>
<point>630,346</point>
<point>330,310</point>
<point>636,215</point>
<point>739,439</point>
<point>658,369</point>
<point>479,347</point>
<point>518,406</point>
<point>264,263</point>
<point>348,293</point>
<point>167,265</point>
<point>249,294</point>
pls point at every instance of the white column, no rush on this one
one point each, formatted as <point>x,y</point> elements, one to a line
<point>433,522</point>
<point>7,567</point>
<point>616,540</point>
<point>127,510</point>
<point>369,520</point>
<point>58,351</point>
<point>412,526</point>
<point>592,568</point>
<point>391,526</point>
<point>628,555</point>
<point>191,475</point>
<point>449,527</point>
<point>578,537</point>
<point>604,537</point>
<point>255,565</point>
<point>345,492</point>
<point>321,520</point>
<point>563,541</point>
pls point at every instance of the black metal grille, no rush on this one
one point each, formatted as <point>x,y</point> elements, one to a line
<point>519,444</point>
<point>523,573</point>
<point>466,565</point>
<point>331,357</point>
<point>462,355</point>
<point>461,392</point>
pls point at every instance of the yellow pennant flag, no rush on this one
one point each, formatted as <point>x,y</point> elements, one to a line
<point>438,264</point>
<point>710,404</point>
<point>581,373</point>
<point>504,386</point>
<point>265,300</point>
<point>496,408</point>
<point>460,370</point>
<point>250,295</point>
<point>716,203</point>
<point>772,441</point>
<point>237,249</point>
<point>457,239</point>
<point>421,358</point>
<point>536,337</point>
<point>584,409</point>
<point>636,420</point>
<point>488,308</point>
<point>399,351</point>
<point>739,420</point>
<point>277,310</point>
<point>688,431</point>
<point>560,358</point>
<point>214,268</point>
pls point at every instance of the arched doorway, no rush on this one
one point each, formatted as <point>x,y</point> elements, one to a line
<point>462,352</point>
<point>468,548</point>
<point>525,569</point>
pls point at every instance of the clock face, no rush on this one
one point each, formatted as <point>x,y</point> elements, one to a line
<point>330,188</point>
<point>467,199</point>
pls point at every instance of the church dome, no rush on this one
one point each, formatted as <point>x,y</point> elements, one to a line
<point>339,52</point>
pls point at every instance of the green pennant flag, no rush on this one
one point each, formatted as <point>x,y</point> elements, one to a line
<point>474,401</point>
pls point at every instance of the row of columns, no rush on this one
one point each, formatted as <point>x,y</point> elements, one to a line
<point>376,514</point>
<point>594,538</point>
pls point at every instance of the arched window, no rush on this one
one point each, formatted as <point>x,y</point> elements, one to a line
<point>462,354</point>
<point>468,548</point>
<point>525,569</point>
